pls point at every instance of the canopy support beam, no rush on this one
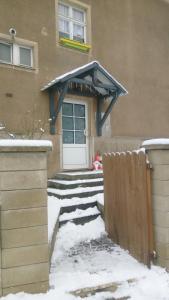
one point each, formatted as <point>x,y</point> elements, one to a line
<point>54,113</point>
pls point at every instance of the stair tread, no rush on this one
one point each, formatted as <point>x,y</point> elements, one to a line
<point>74,191</point>
<point>79,213</point>
<point>79,175</point>
<point>81,220</point>
<point>77,181</point>
<point>77,201</point>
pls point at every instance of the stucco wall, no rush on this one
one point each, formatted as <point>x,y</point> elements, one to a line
<point>129,38</point>
<point>134,48</point>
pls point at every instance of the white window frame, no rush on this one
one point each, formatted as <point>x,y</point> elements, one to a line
<point>72,21</point>
<point>31,55</point>
<point>15,57</point>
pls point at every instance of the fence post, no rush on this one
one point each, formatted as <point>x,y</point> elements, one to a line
<point>158,155</point>
<point>23,224</point>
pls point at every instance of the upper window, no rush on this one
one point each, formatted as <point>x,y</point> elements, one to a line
<point>16,54</point>
<point>72,23</point>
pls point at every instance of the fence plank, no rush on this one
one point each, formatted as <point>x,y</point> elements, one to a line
<point>128,212</point>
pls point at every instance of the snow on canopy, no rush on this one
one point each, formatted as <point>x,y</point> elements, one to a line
<point>87,67</point>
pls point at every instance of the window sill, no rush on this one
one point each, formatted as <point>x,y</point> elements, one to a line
<point>74,45</point>
<point>17,67</point>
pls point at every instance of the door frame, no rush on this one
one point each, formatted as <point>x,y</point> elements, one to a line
<point>77,101</point>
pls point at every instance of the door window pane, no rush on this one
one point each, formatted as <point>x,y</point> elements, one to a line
<point>79,110</point>
<point>80,138</point>
<point>5,52</point>
<point>67,109</point>
<point>25,56</point>
<point>79,123</point>
<point>67,123</point>
<point>68,137</point>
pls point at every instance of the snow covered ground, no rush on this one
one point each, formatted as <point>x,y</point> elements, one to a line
<point>76,264</point>
<point>85,257</point>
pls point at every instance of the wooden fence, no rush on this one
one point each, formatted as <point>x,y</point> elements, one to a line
<point>128,211</point>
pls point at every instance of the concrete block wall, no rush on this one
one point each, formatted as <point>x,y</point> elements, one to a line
<point>23,223</point>
<point>158,155</point>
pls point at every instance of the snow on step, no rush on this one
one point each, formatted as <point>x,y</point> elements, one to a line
<point>68,182</point>
<point>83,173</point>
<point>75,201</point>
<point>75,191</point>
<point>79,213</point>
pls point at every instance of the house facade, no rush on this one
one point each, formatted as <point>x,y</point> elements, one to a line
<point>42,42</point>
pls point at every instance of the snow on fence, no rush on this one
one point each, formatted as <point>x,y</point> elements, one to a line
<point>128,211</point>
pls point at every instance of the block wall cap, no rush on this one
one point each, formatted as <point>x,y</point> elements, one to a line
<point>25,145</point>
<point>156,144</point>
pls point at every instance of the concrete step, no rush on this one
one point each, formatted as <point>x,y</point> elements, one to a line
<point>80,192</point>
<point>79,216</point>
<point>71,184</point>
<point>71,208</point>
<point>80,221</point>
<point>79,175</point>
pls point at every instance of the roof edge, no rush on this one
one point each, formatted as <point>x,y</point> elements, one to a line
<point>78,71</point>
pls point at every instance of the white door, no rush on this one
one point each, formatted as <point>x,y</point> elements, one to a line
<point>74,135</point>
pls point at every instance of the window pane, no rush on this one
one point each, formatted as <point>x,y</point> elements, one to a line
<point>67,123</point>
<point>68,137</point>
<point>79,124</point>
<point>25,56</point>
<point>80,137</point>
<point>78,15</point>
<point>5,53</point>
<point>78,32</point>
<point>63,10</point>
<point>64,35</point>
<point>63,26</point>
<point>79,110</point>
<point>67,109</point>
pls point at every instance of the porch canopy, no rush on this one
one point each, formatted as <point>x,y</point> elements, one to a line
<point>90,80</point>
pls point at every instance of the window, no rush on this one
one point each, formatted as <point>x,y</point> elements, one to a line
<point>16,54</point>
<point>73,123</point>
<point>5,52</point>
<point>72,23</point>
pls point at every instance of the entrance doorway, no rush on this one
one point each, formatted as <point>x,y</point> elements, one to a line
<point>74,135</point>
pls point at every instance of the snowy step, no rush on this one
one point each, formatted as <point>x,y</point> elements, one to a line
<point>80,192</point>
<point>79,175</point>
<point>71,208</point>
<point>79,216</point>
<point>76,201</point>
<point>71,184</point>
<point>81,220</point>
